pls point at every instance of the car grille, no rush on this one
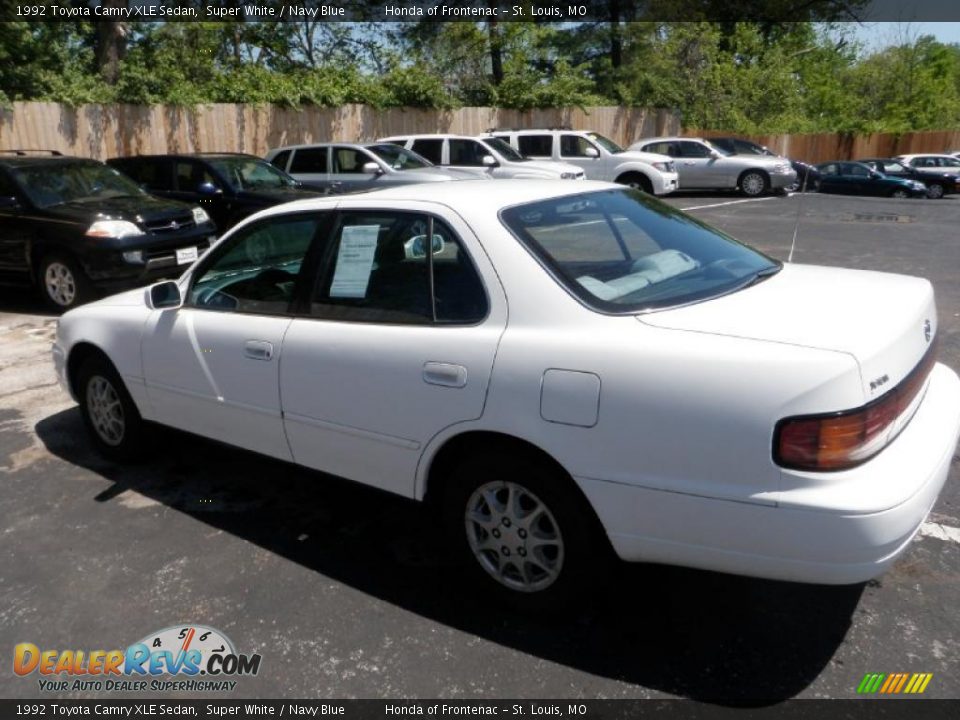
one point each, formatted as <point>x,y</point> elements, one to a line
<point>171,224</point>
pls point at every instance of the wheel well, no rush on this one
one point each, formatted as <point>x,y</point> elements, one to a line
<point>79,354</point>
<point>460,446</point>
<point>645,182</point>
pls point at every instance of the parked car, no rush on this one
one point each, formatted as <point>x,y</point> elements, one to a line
<point>854,178</point>
<point>350,167</point>
<point>652,371</point>
<point>931,163</point>
<point>599,157</point>
<point>937,184</point>
<point>483,157</point>
<point>703,166</point>
<point>806,174</point>
<point>229,186</point>
<point>75,227</point>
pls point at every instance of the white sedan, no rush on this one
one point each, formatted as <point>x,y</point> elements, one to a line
<point>562,369</point>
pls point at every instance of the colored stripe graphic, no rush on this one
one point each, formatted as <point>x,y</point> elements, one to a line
<point>894,683</point>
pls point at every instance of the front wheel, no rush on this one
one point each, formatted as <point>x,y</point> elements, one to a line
<point>63,282</point>
<point>109,413</point>
<point>754,183</point>
<point>636,181</point>
<point>523,532</point>
<point>934,191</point>
<point>898,193</point>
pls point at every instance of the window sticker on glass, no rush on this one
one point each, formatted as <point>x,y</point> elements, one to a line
<point>358,243</point>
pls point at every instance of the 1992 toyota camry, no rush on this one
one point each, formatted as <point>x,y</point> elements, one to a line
<point>562,370</point>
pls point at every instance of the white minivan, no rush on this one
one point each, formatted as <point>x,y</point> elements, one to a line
<point>485,157</point>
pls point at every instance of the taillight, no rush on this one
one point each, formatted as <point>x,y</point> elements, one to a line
<point>841,440</point>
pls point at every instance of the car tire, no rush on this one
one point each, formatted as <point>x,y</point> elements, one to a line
<point>934,191</point>
<point>523,531</point>
<point>754,183</point>
<point>638,181</point>
<point>63,282</point>
<point>898,193</point>
<point>109,413</point>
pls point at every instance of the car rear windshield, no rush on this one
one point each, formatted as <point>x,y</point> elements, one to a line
<point>57,183</point>
<point>621,251</point>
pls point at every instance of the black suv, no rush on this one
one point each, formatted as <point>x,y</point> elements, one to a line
<point>229,186</point>
<point>74,226</point>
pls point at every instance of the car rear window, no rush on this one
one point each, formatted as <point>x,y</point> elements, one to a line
<point>621,251</point>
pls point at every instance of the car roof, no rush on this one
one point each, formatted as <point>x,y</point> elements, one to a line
<point>314,146</point>
<point>191,156</point>
<point>430,136</point>
<point>670,138</point>
<point>15,161</point>
<point>931,154</point>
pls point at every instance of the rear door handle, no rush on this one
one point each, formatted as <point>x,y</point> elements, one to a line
<point>445,374</point>
<point>258,350</point>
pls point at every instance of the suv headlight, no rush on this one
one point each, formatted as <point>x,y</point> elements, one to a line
<point>664,166</point>
<point>113,229</point>
<point>200,216</point>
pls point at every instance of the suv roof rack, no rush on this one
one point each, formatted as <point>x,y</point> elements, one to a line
<point>24,151</point>
<point>517,129</point>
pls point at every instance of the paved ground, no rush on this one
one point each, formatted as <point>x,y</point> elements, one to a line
<point>345,594</point>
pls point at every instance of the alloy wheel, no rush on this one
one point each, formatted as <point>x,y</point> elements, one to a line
<point>105,410</point>
<point>60,284</point>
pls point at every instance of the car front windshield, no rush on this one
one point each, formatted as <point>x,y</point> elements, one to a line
<point>244,173</point>
<point>621,251</point>
<point>50,184</point>
<point>606,143</point>
<point>399,158</point>
<point>505,149</point>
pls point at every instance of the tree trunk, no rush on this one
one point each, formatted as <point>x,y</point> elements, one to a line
<point>111,44</point>
<point>496,51</point>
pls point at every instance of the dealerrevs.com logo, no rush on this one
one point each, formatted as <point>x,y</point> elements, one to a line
<point>181,657</point>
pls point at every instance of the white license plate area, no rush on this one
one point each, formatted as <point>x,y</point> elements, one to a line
<point>186,255</point>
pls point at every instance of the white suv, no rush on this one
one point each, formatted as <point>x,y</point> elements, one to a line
<point>485,157</point>
<point>599,157</point>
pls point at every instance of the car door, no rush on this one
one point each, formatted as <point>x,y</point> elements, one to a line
<point>575,150</point>
<point>858,181</point>
<point>211,367</point>
<point>465,154</point>
<point>380,366</point>
<point>346,169</point>
<point>15,232</point>
<point>698,168</point>
<point>311,166</point>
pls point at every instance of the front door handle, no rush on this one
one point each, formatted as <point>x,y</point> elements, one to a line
<point>445,374</point>
<point>258,350</point>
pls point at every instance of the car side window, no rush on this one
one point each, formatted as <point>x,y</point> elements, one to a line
<point>662,148</point>
<point>467,153</point>
<point>856,171</point>
<point>430,148</point>
<point>190,175</point>
<point>830,169</point>
<point>574,146</point>
<point>693,150</point>
<point>257,271</point>
<point>349,160</point>
<point>378,270</point>
<point>309,160</point>
<point>7,187</point>
<point>535,145</point>
<point>152,174</point>
<point>280,159</point>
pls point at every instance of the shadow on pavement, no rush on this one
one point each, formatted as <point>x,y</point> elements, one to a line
<point>700,635</point>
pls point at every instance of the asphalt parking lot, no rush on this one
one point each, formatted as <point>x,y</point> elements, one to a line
<point>345,593</point>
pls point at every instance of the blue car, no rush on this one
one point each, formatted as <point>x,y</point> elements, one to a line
<point>854,178</point>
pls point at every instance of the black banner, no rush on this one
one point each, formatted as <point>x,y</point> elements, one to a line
<point>873,709</point>
<point>558,11</point>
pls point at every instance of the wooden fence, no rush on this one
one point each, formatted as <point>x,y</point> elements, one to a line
<point>102,131</point>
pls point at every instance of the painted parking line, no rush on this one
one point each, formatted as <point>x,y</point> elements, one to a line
<point>732,202</point>
<point>940,532</point>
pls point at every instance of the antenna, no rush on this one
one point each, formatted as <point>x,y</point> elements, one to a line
<point>796,222</point>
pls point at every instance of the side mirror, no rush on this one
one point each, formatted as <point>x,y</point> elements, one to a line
<point>9,202</point>
<point>591,152</point>
<point>714,154</point>
<point>371,168</point>
<point>489,161</point>
<point>164,295</point>
<point>208,188</point>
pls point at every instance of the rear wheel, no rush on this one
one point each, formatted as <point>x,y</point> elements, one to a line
<point>63,282</point>
<point>638,181</point>
<point>109,413</point>
<point>754,183</point>
<point>522,531</point>
<point>899,193</point>
<point>935,191</point>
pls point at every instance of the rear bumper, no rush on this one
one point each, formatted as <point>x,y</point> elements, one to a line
<point>821,532</point>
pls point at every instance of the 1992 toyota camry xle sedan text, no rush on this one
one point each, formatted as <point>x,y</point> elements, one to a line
<point>561,368</point>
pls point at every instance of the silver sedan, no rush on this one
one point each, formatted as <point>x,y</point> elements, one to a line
<point>703,166</point>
